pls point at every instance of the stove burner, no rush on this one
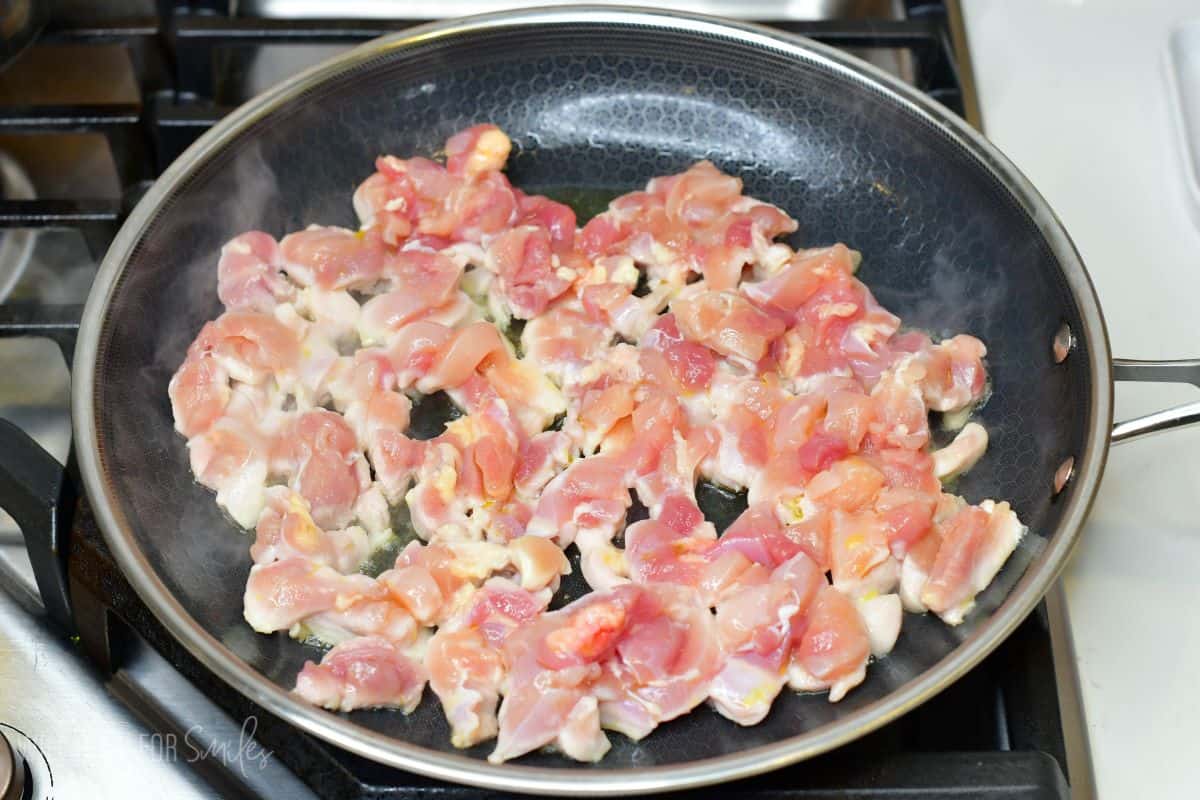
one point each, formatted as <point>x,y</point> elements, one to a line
<point>12,772</point>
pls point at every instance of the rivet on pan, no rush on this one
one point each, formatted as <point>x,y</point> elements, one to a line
<point>1063,342</point>
<point>1063,474</point>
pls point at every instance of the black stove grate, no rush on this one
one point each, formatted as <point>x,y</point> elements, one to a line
<point>996,733</point>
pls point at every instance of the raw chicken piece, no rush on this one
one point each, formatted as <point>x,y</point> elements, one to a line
<point>435,581</point>
<point>581,737</point>
<point>495,459</point>
<point>798,419</point>
<point>586,505</point>
<point>334,312</point>
<point>485,456</point>
<point>662,663</point>
<point>608,293</point>
<point>553,663</point>
<point>727,323</point>
<point>833,653</point>
<point>250,346</point>
<point>530,274</point>
<point>592,493</point>
<point>555,217</point>
<point>603,565</point>
<point>701,207</point>
<point>333,258</point>
<point>427,582</point>
<point>249,275</point>
<point>788,471</point>
<point>367,672</point>
<point>373,514</point>
<point>533,399</point>
<point>394,456</point>
<point>658,555</point>
<point>907,516</point>
<point>745,688</point>
<point>861,557</point>
<point>763,434</point>
<point>586,631</point>
<point>907,469</point>
<point>759,536</point>
<point>363,616</point>
<point>774,452</point>
<point>847,485</point>
<point>955,377</point>
<point>961,454</point>
<point>308,382</point>
<point>801,277</point>
<point>475,561</point>
<point>478,149</point>
<point>561,715</point>
<point>597,412</point>
<point>601,396</point>
<point>420,282</point>
<point>420,197</point>
<point>563,340</point>
<point>431,357</point>
<point>282,593</point>
<point>538,561</point>
<point>232,461</point>
<point>286,530</point>
<point>355,378</point>
<point>759,626</point>
<point>848,415</point>
<point>836,325</point>
<point>475,210</point>
<point>433,501</point>
<point>667,468</point>
<point>975,544</point>
<point>466,662</point>
<point>882,615</point>
<point>539,459</point>
<point>199,392</point>
<point>466,673</point>
<point>899,418</point>
<point>326,466</point>
<point>662,444</point>
<point>499,608</point>
<point>507,521</point>
<point>915,569</point>
<point>688,365</point>
<point>742,456</point>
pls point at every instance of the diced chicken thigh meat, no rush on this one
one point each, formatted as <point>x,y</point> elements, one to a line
<point>672,338</point>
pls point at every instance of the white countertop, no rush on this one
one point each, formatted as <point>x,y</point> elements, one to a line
<point>1074,92</point>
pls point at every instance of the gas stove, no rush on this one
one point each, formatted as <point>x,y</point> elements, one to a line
<point>96,699</point>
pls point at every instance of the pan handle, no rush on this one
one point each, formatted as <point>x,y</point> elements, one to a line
<point>33,489</point>
<point>1181,371</point>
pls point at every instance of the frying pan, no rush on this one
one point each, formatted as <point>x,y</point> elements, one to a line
<point>597,100</point>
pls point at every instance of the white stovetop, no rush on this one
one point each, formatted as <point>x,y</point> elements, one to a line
<point>1074,92</point>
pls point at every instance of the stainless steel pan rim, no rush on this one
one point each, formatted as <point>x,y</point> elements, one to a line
<point>341,731</point>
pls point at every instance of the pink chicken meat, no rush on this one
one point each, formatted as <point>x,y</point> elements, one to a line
<point>671,339</point>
